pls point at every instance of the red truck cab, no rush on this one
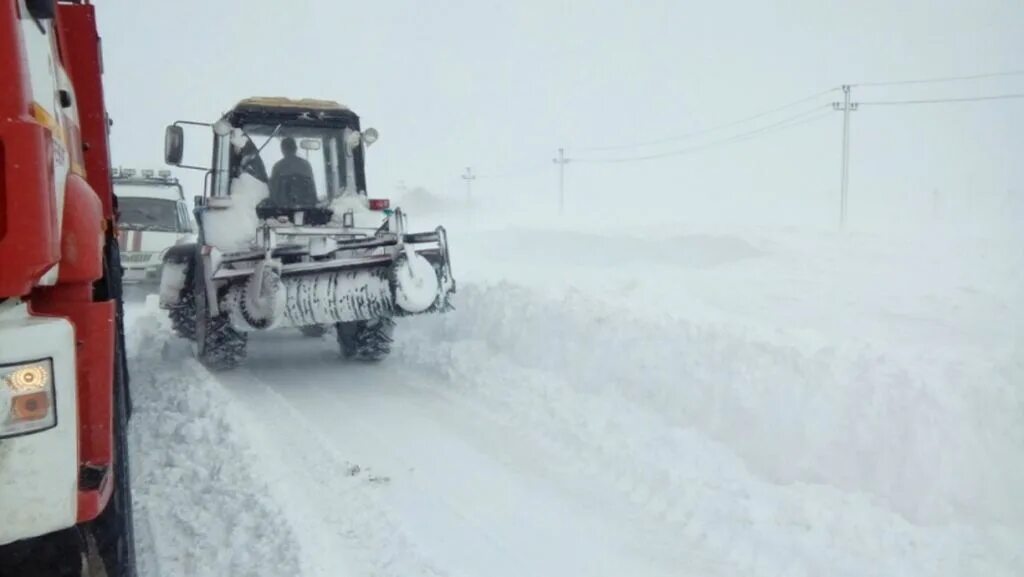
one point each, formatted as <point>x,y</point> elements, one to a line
<point>63,384</point>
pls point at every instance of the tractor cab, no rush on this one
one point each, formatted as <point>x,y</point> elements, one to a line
<point>308,153</point>
<point>288,237</point>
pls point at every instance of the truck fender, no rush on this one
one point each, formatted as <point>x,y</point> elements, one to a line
<point>82,238</point>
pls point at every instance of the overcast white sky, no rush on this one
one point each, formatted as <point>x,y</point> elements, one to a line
<point>500,85</point>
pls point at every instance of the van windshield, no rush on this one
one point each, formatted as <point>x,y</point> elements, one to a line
<point>149,214</point>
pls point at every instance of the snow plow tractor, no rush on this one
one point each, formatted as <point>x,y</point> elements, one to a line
<point>289,238</point>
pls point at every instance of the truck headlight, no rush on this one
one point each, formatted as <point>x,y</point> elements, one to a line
<point>27,403</point>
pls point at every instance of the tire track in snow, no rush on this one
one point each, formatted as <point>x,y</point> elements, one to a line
<point>330,497</point>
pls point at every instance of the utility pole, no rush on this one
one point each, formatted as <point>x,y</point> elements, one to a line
<point>561,161</point>
<point>847,107</point>
<point>469,177</point>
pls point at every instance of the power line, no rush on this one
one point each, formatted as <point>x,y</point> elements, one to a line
<point>708,130</point>
<point>944,79</point>
<point>784,123</point>
<point>789,122</point>
<point>942,100</point>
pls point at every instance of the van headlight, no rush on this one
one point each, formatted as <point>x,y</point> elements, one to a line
<point>27,403</point>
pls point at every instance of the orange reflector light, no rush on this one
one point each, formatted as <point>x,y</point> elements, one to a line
<point>30,407</point>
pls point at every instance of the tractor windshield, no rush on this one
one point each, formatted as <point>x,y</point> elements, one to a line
<point>302,166</point>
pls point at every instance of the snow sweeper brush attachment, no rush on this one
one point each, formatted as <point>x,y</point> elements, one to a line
<point>310,278</point>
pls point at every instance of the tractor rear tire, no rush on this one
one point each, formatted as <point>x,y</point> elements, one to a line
<point>366,340</point>
<point>55,555</point>
<point>183,315</point>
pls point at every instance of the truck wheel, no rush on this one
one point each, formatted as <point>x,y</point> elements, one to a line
<point>366,340</point>
<point>313,331</point>
<point>55,555</point>
<point>183,316</point>
<point>217,344</point>
<point>113,535</point>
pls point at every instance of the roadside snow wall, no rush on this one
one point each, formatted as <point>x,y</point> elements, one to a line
<point>841,457</point>
<point>933,449</point>
<point>200,510</point>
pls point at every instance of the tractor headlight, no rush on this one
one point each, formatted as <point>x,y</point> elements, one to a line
<point>27,403</point>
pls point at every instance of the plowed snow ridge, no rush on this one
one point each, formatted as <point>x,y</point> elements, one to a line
<point>200,507</point>
<point>755,451</point>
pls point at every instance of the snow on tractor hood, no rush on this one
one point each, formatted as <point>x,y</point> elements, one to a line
<point>233,228</point>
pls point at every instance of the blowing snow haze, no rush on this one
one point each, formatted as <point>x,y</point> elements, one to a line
<point>499,86</point>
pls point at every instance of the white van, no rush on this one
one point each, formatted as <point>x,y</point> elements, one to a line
<point>153,217</point>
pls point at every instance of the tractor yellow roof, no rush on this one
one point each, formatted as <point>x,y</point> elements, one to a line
<point>280,102</point>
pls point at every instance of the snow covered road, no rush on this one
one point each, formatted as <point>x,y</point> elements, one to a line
<point>478,495</point>
<point>719,416</point>
<point>376,466</point>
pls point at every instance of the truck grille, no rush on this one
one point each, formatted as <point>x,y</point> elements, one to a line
<point>136,257</point>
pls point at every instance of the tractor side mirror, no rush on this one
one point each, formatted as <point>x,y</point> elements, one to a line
<point>366,138</point>
<point>42,9</point>
<point>370,135</point>
<point>174,144</point>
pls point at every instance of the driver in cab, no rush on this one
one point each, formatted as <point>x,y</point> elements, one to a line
<point>289,172</point>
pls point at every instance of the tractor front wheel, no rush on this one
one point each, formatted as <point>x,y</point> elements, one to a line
<point>218,345</point>
<point>183,314</point>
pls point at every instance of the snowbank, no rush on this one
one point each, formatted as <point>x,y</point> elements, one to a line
<point>219,490</point>
<point>838,462</point>
<point>200,508</point>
